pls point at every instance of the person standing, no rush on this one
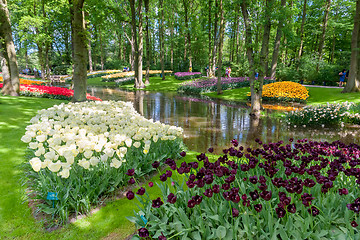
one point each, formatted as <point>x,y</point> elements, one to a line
<point>229,72</point>
<point>342,75</point>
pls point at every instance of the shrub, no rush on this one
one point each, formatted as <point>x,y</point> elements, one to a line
<point>303,190</point>
<point>81,151</point>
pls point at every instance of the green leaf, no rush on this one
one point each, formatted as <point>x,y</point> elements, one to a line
<point>221,232</point>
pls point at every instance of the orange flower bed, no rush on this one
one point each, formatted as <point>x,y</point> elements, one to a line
<point>285,91</point>
<point>27,81</point>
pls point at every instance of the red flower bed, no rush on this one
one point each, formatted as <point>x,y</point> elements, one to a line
<point>50,92</point>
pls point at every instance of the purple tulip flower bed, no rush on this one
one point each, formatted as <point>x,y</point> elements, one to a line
<point>299,190</point>
<point>210,85</point>
<point>187,75</point>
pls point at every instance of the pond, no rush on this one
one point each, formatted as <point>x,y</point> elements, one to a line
<point>214,123</point>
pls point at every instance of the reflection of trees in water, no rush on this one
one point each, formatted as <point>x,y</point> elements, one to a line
<point>211,123</point>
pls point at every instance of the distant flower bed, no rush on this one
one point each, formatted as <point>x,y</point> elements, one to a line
<point>324,115</point>
<point>28,81</point>
<point>273,191</point>
<point>49,92</point>
<point>187,75</point>
<point>95,74</point>
<point>117,76</point>
<point>284,92</point>
<point>81,151</point>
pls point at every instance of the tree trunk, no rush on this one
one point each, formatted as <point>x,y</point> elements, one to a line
<point>90,57</point>
<point>353,83</point>
<point>221,40</point>
<point>277,41</point>
<point>209,23</point>
<point>255,97</point>
<point>140,83</point>
<point>172,46</point>
<point>162,39</point>
<point>188,41</point>
<point>7,88</point>
<point>147,43</point>
<point>212,71</point>
<point>237,36</point>
<point>8,51</point>
<point>322,38</point>
<point>302,31</point>
<point>80,51</point>
<point>101,49</point>
<point>265,45</point>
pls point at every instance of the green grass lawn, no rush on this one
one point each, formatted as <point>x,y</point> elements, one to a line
<point>96,82</point>
<point>318,95</point>
<point>170,84</point>
<point>16,220</point>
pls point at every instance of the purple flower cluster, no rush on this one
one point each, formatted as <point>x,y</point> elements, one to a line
<point>273,173</point>
<point>182,74</point>
<point>213,81</point>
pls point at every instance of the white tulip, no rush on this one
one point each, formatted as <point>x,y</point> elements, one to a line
<point>36,164</point>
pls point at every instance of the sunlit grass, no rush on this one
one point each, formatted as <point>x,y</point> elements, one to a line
<point>16,220</point>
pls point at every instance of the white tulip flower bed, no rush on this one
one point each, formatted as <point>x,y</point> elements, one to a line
<point>81,151</point>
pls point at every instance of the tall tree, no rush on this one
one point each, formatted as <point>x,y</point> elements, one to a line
<point>147,42</point>
<point>323,34</point>
<point>220,49</point>
<point>161,37</point>
<point>302,30</point>
<point>80,43</point>
<point>137,42</point>
<point>353,84</point>
<point>11,84</point>
<point>277,40</point>
<point>187,31</point>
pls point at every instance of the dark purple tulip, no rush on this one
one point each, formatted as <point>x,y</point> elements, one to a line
<point>254,195</point>
<point>291,208</point>
<point>197,199</point>
<point>151,184</point>
<point>354,224</point>
<point>171,198</point>
<point>155,164</point>
<point>280,212</point>
<point>208,192</point>
<point>258,207</point>
<point>263,187</point>
<point>211,150</point>
<point>130,172</point>
<point>225,186</point>
<point>143,232</point>
<point>216,188</point>
<point>191,203</point>
<point>230,179</point>
<point>266,195</point>
<point>183,154</point>
<point>141,191</point>
<point>235,212</point>
<point>131,181</point>
<point>244,197</point>
<point>309,183</point>
<point>313,211</point>
<point>190,184</point>
<point>157,203</point>
<point>235,142</point>
<point>163,177</point>
<point>253,179</point>
<point>343,191</point>
<point>168,173</point>
<point>162,237</point>
<point>262,179</point>
<point>130,195</point>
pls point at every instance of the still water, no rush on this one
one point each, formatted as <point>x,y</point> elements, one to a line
<point>214,123</point>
